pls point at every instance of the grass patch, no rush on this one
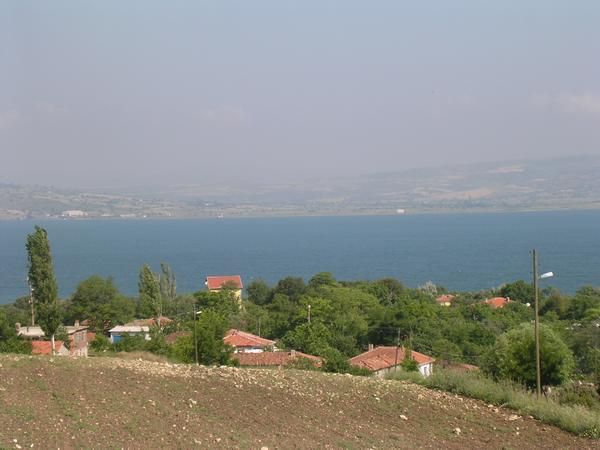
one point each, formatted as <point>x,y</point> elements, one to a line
<point>575,419</point>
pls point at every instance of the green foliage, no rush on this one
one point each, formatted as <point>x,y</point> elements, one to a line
<point>322,279</point>
<point>150,302</point>
<point>585,304</point>
<point>167,283</point>
<point>98,300</point>
<point>9,341</point>
<point>209,330</point>
<point>101,343</point>
<point>409,364</point>
<point>311,338</point>
<point>43,282</point>
<point>157,343</point>
<point>259,292</point>
<point>291,287</point>
<point>575,419</point>
<point>519,291</point>
<point>130,344</point>
<point>223,302</point>
<point>513,357</point>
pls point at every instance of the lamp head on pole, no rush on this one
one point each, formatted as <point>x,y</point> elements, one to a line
<point>546,275</point>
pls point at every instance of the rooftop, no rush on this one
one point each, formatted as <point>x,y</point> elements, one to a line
<point>237,338</point>
<point>219,282</point>
<point>385,357</point>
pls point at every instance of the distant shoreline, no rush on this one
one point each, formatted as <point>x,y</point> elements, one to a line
<point>292,214</point>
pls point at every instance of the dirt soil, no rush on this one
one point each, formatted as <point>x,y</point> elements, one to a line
<point>69,403</point>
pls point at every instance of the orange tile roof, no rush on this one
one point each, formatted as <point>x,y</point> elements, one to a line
<point>265,359</point>
<point>237,338</point>
<point>498,302</point>
<point>217,282</point>
<point>385,357</point>
<point>446,298</point>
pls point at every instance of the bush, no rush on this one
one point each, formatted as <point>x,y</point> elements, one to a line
<point>130,344</point>
<point>572,418</point>
<point>101,343</point>
<point>15,345</point>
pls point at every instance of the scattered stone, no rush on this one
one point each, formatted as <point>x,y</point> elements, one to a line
<point>403,417</point>
<point>513,417</point>
<point>457,431</point>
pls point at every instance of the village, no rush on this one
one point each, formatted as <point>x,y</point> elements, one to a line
<point>248,349</point>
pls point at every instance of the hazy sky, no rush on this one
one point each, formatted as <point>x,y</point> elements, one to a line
<point>123,93</point>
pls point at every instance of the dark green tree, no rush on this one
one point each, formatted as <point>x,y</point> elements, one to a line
<point>98,300</point>
<point>168,284</point>
<point>150,302</point>
<point>210,330</point>
<point>513,357</point>
<point>9,342</point>
<point>43,282</point>
<point>259,292</point>
<point>519,291</point>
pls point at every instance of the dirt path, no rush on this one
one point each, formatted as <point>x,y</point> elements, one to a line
<point>114,403</point>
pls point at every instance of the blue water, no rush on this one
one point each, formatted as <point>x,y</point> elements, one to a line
<point>460,252</point>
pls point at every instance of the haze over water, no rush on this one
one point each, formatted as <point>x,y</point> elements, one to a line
<point>460,252</point>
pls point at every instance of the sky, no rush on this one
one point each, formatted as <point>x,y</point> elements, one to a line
<point>111,93</point>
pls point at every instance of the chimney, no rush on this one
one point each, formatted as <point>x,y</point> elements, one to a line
<point>77,324</point>
<point>370,347</point>
<point>293,353</point>
<point>18,326</point>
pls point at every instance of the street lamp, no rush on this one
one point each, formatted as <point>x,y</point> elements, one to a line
<point>196,314</point>
<point>538,365</point>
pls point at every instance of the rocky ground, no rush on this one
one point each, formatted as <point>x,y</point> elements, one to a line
<point>115,403</point>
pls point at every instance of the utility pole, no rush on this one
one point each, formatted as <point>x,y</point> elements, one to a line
<point>259,326</point>
<point>397,349</point>
<point>195,334</point>
<point>538,368</point>
<point>31,302</point>
<point>308,313</point>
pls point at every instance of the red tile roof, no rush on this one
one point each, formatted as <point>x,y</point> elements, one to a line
<point>45,347</point>
<point>498,302</point>
<point>218,282</point>
<point>446,298</point>
<point>385,357</point>
<point>265,359</point>
<point>240,339</point>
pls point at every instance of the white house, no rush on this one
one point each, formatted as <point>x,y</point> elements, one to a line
<point>382,360</point>
<point>117,333</point>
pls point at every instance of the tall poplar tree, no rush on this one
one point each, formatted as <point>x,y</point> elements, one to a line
<point>150,298</point>
<point>43,282</point>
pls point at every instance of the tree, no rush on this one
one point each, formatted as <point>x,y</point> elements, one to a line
<point>43,282</point>
<point>519,291</point>
<point>98,300</point>
<point>322,279</point>
<point>513,357</point>
<point>150,303</point>
<point>9,341</point>
<point>168,283</point>
<point>259,292</point>
<point>210,329</point>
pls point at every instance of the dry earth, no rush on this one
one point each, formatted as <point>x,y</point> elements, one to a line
<point>114,403</point>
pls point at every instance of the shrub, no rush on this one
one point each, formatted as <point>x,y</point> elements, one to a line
<point>101,343</point>
<point>576,419</point>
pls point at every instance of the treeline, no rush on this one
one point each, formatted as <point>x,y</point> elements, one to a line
<point>338,319</point>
